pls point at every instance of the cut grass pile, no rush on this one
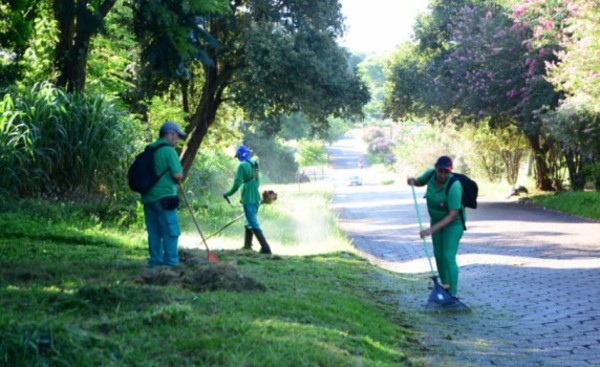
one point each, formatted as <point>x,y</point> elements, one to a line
<point>75,292</point>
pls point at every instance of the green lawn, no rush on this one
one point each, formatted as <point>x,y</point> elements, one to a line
<point>75,291</point>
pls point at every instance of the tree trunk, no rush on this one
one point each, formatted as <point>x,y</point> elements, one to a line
<point>64,12</point>
<point>542,181</point>
<point>75,32</point>
<point>575,167</point>
<point>205,114</point>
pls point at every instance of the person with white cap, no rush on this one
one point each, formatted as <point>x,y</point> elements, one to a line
<point>247,175</point>
<point>161,202</point>
<point>446,224</point>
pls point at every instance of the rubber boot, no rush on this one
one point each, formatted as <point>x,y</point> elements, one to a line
<point>264,246</point>
<point>248,239</point>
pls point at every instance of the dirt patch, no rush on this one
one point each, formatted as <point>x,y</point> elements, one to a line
<point>197,274</point>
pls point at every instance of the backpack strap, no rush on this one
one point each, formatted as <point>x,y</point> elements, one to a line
<point>254,166</point>
<point>154,149</point>
<point>452,180</point>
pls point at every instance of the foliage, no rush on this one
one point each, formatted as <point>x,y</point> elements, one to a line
<point>112,63</point>
<point>272,59</point>
<point>577,68</point>
<point>407,84</point>
<point>496,152</point>
<point>294,126</point>
<point>575,123</point>
<point>372,133</point>
<point>172,36</point>
<point>304,71</point>
<point>421,146</point>
<point>58,144</point>
<point>36,62</point>
<point>77,22</point>
<point>311,153</point>
<point>17,27</point>
<point>277,162</point>
<point>486,61</point>
<point>371,69</point>
<point>338,127</point>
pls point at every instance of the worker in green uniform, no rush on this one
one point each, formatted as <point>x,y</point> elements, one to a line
<point>161,202</point>
<point>446,227</point>
<point>247,176</point>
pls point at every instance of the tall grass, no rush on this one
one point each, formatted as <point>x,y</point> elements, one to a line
<point>58,144</point>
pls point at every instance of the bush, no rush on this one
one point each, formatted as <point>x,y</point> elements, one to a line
<point>57,144</point>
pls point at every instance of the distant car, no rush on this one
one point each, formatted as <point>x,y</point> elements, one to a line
<point>354,181</point>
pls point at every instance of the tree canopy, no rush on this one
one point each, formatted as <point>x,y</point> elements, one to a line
<point>499,62</point>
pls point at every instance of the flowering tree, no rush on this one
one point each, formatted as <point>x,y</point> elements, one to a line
<point>576,122</point>
<point>487,61</point>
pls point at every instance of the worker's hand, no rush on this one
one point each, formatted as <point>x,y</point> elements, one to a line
<point>226,198</point>
<point>411,181</point>
<point>426,232</point>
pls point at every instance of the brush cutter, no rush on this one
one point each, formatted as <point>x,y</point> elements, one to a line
<point>211,256</point>
<point>439,296</point>
<point>225,226</point>
<point>268,197</point>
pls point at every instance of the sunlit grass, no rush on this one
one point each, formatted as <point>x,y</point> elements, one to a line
<point>68,295</point>
<point>584,204</point>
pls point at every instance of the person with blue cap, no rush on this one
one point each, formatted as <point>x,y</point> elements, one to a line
<point>248,178</point>
<point>446,224</point>
<point>161,202</point>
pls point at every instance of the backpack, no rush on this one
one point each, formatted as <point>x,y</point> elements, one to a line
<point>142,172</point>
<point>254,171</point>
<point>470,192</point>
<point>470,189</point>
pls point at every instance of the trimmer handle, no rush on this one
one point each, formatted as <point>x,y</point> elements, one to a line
<point>227,198</point>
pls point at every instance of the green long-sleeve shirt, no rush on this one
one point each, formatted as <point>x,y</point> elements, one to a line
<point>244,176</point>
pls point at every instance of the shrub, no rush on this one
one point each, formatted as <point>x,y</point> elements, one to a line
<point>59,144</point>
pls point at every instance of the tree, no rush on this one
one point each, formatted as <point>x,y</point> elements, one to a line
<point>576,122</point>
<point>270,58</point>
<point>17,23</point>
<point>372,72</point>
<point>78,21</point>
<point>482,62</point>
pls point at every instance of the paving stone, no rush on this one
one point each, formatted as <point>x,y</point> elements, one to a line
<point>530,276</point>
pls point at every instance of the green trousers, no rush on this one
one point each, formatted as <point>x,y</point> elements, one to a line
<point>445,248</point>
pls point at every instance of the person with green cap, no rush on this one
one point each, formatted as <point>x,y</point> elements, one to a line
<point>161,202</point>
<point>248,178</point>
<point>446,228</point>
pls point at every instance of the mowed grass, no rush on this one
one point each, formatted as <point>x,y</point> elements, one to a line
<point>70,295</point>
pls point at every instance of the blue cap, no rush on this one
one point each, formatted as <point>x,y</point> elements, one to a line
<point>171,126</point>
<point>242,153</point>
<point>444,162</point>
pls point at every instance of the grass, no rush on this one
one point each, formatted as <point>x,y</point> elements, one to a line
<point>70,295</point>
<point>584,204</point>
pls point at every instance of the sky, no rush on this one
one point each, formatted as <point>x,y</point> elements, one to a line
<point>377,26</point>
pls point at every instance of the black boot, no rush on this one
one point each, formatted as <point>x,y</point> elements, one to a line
<point>264,246</point>
<point>248,239</point>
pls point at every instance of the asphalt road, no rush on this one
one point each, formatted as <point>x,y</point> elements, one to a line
<point>531,276</point>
